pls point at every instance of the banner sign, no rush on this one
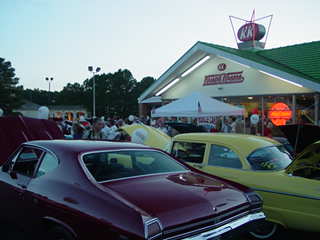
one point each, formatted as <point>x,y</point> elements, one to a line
<point>223,78</point>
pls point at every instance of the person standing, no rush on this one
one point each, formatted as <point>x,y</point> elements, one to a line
<point>268,130</point>
<point>77,130</point>
<point>226,128</point>
<point>95,133</point>
<point>233,124</point>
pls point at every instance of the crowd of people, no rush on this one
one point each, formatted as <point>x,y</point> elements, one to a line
<point>97,128</point>
<point>110,129</point>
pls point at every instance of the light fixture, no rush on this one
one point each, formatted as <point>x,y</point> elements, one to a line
<point>90,69</point>
<point>250,98</point>
<point>203,60</point>
<point>167,87</point>
<point>282,79</point>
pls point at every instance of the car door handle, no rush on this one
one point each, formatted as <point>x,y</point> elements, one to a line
<point>230,177</point>
<point>23,186</point>
<point>19,191</point>
<point>197,166</point>
<point>38,199</point>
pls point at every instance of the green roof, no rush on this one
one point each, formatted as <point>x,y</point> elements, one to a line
<point>302,60</point>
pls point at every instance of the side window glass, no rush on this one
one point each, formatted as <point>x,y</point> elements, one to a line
<point>189,152</point>
<point>48,164</point>
<point>223,157</point>
<point>27,160</point>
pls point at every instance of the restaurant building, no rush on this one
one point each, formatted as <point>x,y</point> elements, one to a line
<point>249,76</point>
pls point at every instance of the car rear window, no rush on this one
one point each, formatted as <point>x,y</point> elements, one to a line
<point>105,166</point>
<point>270,158</point>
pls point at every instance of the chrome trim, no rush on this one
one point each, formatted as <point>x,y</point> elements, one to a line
<point>207,228</point>
<point>42,148</point>
<point>287,194</point>
<point>225,228</point>
<point>44,151</point>
<point>90,177</point>
<point>144,175</point>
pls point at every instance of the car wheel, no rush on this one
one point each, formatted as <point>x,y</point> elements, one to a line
<point>267,230</point>
<point>59,233</point>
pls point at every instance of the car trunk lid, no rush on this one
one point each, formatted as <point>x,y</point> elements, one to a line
<point>178,198</point>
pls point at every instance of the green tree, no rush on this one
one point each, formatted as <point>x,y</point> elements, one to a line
<point>41,97</point>
<point>72,94</point>
<point>144,84</point>
<point>115,94</point>
<point>10,93</point>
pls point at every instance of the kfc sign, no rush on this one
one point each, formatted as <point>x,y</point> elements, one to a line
<point>223,78</point>
<point>251,31</point>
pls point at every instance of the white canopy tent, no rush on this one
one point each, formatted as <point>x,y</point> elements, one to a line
<point>197,105</point>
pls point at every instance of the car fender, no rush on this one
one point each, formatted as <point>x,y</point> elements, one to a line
<point>274,216</point>
<point>47,221</point>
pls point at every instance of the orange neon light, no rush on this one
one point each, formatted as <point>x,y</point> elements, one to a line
<point>279,113</point>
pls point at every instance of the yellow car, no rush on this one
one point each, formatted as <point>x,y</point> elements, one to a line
<point>149,136</point>
<point>291,190</point>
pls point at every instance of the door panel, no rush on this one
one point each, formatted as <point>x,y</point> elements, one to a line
<point>292,201</point>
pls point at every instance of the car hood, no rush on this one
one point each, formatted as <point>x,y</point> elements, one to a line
<point>15,130</point>
<point>301,135</point>
<point>309,158</point>
<point>178,198</point>
<point>148,136</point>
<point>186,127</point>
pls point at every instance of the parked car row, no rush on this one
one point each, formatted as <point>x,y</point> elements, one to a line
<point>194,187</point>
<point>289,187</point>
<point>76,189</point>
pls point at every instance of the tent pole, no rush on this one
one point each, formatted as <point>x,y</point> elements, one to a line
<point>244,124</point>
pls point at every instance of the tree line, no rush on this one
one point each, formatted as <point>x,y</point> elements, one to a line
<point>116,93</point>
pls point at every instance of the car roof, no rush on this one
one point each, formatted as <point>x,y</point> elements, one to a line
<point>246,142</point>
<point>81,146</point>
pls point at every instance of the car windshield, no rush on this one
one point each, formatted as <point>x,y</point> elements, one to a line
<point>270,158</point>
<point>105,166</point>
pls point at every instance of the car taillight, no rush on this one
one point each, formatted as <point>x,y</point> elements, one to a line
<point>254,198</point>
<point>152,228</point>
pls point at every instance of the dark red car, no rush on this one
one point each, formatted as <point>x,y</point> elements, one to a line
<point>74,189</point>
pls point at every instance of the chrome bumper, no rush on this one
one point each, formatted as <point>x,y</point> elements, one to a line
<point>227,227</point>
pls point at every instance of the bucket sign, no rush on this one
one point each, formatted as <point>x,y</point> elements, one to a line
<point>251,32</point>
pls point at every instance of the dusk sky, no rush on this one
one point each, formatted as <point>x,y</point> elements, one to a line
<point>61,38</point>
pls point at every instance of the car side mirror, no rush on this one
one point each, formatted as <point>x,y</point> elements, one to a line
<point>13,175</point>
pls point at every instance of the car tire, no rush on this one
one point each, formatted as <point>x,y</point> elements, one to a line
<point>59,233</point>
<point>267,230</point>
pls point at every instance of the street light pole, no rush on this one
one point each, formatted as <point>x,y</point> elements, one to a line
<point>49,80</point>
<point>90,69</point>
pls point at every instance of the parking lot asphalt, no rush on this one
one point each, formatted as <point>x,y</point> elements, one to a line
<point>10,232</point>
